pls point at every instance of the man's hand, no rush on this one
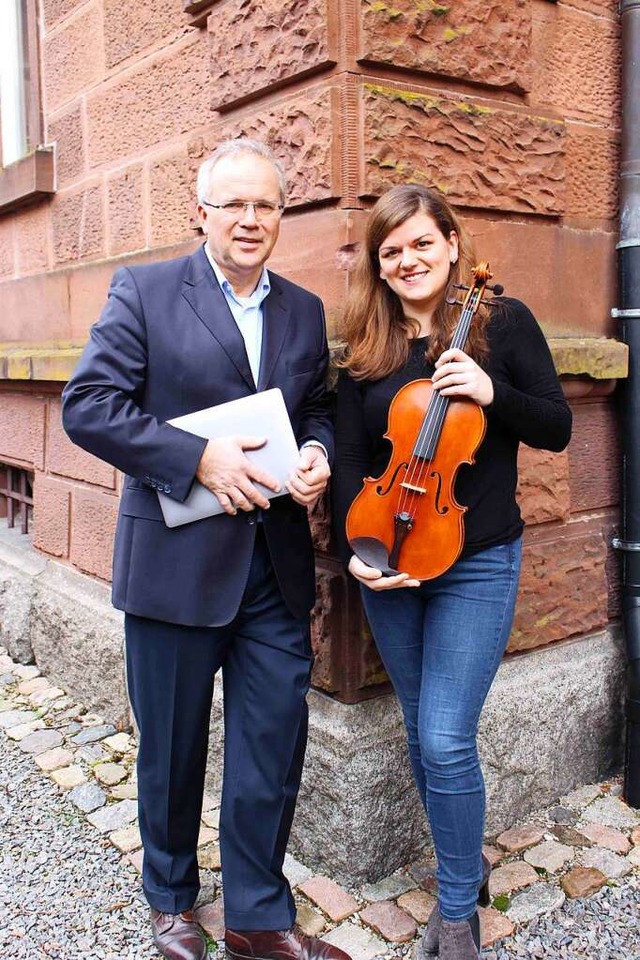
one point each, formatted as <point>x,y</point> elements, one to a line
<point>310,477</point>
<point>225,470</point>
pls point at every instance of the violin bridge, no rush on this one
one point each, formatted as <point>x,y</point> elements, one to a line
<point>411,486</point>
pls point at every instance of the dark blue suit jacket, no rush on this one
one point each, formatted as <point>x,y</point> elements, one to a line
<point>166,344</point>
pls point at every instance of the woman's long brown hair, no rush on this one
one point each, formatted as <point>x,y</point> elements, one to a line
<point>374,326</point>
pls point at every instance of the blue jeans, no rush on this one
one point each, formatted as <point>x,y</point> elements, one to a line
<point>441,644</point>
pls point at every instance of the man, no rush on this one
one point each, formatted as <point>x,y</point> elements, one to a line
<point>232,591</point>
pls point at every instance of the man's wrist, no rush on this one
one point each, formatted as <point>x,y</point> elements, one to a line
<point>315,443</point>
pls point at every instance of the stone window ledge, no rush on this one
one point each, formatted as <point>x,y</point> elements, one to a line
<point>28,179</point>
<point>39,361</point>
<point>600,360</point>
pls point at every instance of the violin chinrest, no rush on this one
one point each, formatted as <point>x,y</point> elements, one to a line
<point>374,553</point>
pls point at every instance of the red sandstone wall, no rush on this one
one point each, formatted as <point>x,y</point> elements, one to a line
<point>510,106</point>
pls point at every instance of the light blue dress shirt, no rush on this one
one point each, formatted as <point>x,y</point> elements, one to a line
<point>247,312</point>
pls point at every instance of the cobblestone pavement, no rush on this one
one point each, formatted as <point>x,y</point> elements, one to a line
<point>565,883</point>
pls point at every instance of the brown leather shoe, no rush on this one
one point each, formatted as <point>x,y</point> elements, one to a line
<point>279,945</point>
<point>177,936</point>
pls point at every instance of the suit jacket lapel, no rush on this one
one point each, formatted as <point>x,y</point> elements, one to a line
<point>202,292</point>
<point>276,319</point>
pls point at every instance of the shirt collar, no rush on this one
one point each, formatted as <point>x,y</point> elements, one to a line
<point>262,290</point>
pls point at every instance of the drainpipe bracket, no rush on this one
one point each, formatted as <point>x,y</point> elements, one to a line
<point>625,314</point>
<point>630,546</point>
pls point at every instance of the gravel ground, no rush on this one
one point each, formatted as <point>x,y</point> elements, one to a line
<point>64,893</point>
<point>67,894</point>
<point>602,927</point>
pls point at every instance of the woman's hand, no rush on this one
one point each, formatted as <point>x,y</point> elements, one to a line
<point>373,578</point>
<point>457,375</point>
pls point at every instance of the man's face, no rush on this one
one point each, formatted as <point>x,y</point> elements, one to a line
<point>241,242</point>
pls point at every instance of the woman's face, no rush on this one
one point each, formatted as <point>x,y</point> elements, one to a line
<point>415,260</point>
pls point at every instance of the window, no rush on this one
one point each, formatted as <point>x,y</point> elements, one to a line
<point>16,496</point>
<point>27,169</point>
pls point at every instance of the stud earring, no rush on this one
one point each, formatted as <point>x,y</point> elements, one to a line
<point>453,258</point>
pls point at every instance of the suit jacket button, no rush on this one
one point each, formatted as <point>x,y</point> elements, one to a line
<point>251,517</point>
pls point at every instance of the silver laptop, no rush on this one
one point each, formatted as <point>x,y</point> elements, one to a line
<point>260,415</point>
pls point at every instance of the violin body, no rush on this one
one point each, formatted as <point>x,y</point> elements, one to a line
<point>408,520</point>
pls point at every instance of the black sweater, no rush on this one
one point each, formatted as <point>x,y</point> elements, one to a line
<point>528,407</point>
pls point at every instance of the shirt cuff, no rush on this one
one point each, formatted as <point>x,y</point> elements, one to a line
<point>315,443</point>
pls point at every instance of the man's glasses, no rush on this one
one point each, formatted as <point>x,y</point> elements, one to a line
<point>262,209</point>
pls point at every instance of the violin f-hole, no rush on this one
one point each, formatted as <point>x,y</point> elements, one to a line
<point>441,509</point>
<point>383,493</point>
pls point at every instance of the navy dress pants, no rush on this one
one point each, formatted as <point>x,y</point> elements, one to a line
<point>265,657</point>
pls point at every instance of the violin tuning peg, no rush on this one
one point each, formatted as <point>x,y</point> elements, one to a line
<point>460,286</point>
<point>497,289</point>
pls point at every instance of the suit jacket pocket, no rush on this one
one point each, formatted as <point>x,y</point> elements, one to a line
<point>137,502</point>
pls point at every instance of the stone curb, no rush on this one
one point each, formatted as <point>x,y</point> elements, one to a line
<point>589,839</point>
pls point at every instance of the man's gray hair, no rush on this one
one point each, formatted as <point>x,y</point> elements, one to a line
<point>232,148</point>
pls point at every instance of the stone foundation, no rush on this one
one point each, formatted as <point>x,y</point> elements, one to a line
<point>553,721</point>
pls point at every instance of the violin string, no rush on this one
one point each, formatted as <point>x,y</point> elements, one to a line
<point>433,421</point>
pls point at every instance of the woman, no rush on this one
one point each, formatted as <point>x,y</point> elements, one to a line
<point>441,640</point>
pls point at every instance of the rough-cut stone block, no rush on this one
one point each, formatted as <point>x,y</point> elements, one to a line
<point>418,903</point>
<point>211,919</point>
<point>543,485</point>
<point>582,882</point>
<point>387,919</point>
<point>358,943</point>
<point>552,601</point>
<point>68,460</point>
<point>93,524</point>
<point>539,899</point>
<point>74,57</point>
<point>172,197</point>
<point>78,223</point>
<point>167,95</point>
<point>209,856</point>
<point>109,774</point>
<point>33,227</point>
<point>55,10</point>
<point>302,132</point>
<point>517,839</point>
<point>127,839</point>
<point>32,304</point>
<point>330,897</point>
<point>65,130</point>
<point>22,429</point>
<point>635,836</point>
<point>88,797</point>
<point>606,837</point>
<point>610,812</point>
<point>20,567</point>
<point>561,251</point>
<point>493,925</point>
<point>125,219</point>
<point>577,61</point>
<point>69,777</point>
<point>7,247</point>
<point>479,156</point>
<point>607,862</point>
<point>41,741</point>
<point>595,435</point>
<point>77,638</point>
<point>299,41</point>
<point>389,888</point>
<point>51,514</point>
<point>115,816</point>
<point>512,876</point>
<point>485,42</point>
<point>130,27</point>
<point>549,855</point>
<point>593,158</point>
<point>53,759</point>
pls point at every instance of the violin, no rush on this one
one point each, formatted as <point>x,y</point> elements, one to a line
<point>408,520</point>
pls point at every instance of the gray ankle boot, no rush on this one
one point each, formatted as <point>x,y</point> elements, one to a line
<point>428,946</point>
<point>460,940</point>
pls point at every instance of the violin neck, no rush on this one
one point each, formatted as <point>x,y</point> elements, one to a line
<point>429,435</point>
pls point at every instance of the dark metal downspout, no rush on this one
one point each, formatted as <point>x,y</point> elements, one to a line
<point>628,314</point>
